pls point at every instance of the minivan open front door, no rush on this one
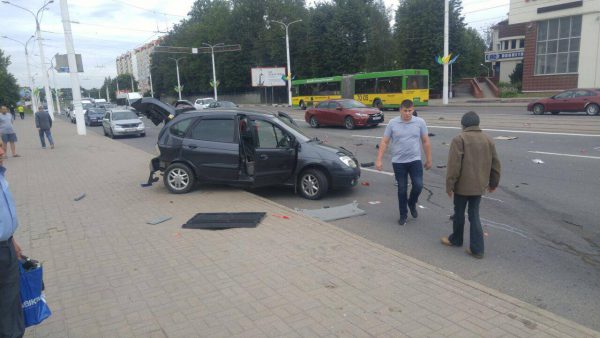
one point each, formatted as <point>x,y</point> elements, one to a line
<point>275,153</point>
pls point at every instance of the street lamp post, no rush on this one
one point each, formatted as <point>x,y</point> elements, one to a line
<point>486,68</point>
<point>41,47</point>
<point>212,53</point>
<point>178,82</point>
<point>29,83</point>
<point>289,65</point>
<point>54,84</point>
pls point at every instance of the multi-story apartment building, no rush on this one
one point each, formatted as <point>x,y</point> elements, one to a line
<point>562,43</point>
<point>138,62</point>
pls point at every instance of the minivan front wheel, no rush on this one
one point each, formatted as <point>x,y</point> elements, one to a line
<point>313,184</point>
<point>179,178</point>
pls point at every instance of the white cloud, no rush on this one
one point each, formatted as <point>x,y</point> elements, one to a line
<point>109,28</point>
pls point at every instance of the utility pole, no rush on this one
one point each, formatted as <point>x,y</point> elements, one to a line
<point>132,86</point>
<point>178,82</point>
<point>29,82</point>
<point>446,49</point>
<point>41,47</point>
<point>75,88</point>
<point>54,84</point>
<point>212,53</point>
<point>151,87</point>
<point>289,65</point>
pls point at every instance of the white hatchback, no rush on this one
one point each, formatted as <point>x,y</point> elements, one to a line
<point>203,103</point>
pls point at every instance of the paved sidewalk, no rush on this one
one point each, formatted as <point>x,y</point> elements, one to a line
<point>109,274</point>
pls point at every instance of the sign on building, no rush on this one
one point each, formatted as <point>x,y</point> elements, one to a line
<point>62,63</point>
<point>501,56</point>
<point>268,77</point>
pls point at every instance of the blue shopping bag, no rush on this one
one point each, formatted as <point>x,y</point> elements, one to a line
<point>35,309</point>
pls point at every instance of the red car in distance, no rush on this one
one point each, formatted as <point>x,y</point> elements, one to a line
<point>574,100</point>
<point>344,112</point>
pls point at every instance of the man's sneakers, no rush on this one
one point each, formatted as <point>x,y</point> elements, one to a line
<point>402,220</point>
<point>413,210</point>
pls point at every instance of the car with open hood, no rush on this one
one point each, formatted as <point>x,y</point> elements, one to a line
<point>243,148</point>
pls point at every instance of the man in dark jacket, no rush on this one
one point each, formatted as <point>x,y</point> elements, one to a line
<point>43,123</point>
<point>473,166</point>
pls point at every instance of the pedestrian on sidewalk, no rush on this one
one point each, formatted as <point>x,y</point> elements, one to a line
<point>43,123</point>
<point>473,166</point>
<point>21,111</point>
<point>8,132</point>
<point>11,311</point>
<point>409,137</point>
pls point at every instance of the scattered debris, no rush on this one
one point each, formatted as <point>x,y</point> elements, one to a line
<point>451,217</point>
<point>79,198</point>
<point>441,166</point>
<point>177,235</point>
<point>445,144</point>
<point>334,213</point>
<point>367,164</point>
<point>374,202</point>
<point>485,234</point>
<point>421,207</point>
<point>431,134</point>
<point>377,146</point>
<point>224,220</point>
<point>537,161</point>
<point>597,148</point>
<point>441,118</point>
<point>523,183</point>
<point>358,144</point>
<point>365,183</point>
<point>505,138</point>
<point>281,216</point>
<point>583,151</point>
<point>159,220</point>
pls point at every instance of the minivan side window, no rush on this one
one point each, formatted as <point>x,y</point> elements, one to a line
<point>214,130</point>
<point>270,136</point>
<point>179,128</point>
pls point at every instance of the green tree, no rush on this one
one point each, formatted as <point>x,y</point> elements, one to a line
<point>9,90</point>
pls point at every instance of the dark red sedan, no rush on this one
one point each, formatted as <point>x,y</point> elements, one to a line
<point>574,100</point>
<point>346,112</point>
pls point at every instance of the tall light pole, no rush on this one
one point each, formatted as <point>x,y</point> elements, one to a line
<point>177,67</point>
<point>41,47</point>
<point>54,84</point>
<point>289,66</point>
<point>446,49</point>
<point>29,83</point>
<point>212,53</point>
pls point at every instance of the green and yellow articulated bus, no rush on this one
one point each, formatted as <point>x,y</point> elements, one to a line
<point>384,90</point>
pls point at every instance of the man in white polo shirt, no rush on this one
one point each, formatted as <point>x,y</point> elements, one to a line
<point>409,135</point>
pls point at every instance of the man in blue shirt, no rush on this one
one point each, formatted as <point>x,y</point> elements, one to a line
<point>408,135</point>
<point>11,311</point>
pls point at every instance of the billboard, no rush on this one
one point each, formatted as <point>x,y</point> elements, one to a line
<point>268,77</point>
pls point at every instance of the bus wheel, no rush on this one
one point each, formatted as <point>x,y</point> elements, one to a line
<point>302,105</point>
<point>377,104</point>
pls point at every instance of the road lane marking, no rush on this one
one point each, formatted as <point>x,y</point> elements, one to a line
<point>505,131</point>
<point>493,199</point>
<point>377,171</point>
<point>568,155</point>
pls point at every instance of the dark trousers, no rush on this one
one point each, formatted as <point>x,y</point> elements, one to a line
<point>402,171</point>
<point>22,116</point>
<point>476,233</point>
<point>48,134</point>
<point>11,312</point>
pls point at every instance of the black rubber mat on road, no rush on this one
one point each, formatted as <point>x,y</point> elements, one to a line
<point>224,220</point>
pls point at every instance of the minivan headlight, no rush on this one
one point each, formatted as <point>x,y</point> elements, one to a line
<point>347,160</point>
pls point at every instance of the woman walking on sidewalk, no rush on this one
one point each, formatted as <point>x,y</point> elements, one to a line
<point>43,122</point>
<point>8,133</point>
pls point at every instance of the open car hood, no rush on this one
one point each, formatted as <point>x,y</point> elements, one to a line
<point>155,110</point>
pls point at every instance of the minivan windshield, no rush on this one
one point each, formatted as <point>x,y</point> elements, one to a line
<point>124,115</point>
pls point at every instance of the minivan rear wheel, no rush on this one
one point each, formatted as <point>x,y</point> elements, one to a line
<point>313,184</point>
<point>179,178</point>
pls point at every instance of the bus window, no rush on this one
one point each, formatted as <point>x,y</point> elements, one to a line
<point>328,88</point>
<point>295,90</point>
<point>364,86</point>
<point>417,82</point>
<point>305,89</point>
<point>389,85</point>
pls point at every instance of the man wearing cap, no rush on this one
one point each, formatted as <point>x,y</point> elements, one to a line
<point>11,312</point>
<point>408,135</point>
<point>473,167</point>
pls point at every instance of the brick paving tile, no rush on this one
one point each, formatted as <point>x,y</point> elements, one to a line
<point>109,274</point>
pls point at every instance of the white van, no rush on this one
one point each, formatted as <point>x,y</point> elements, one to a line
<point>125,99</point>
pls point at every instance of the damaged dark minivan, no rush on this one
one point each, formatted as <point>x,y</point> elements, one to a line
<point>245,149</point>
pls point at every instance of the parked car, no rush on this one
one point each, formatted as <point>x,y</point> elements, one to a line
<point>183,103</point>
<point>574,100</point>
<point>203,103</point>
<point>94,116</point>
<point>122,122</point>
<point>246,149</point>
<point>345,112</point>
<point>222,104</point>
